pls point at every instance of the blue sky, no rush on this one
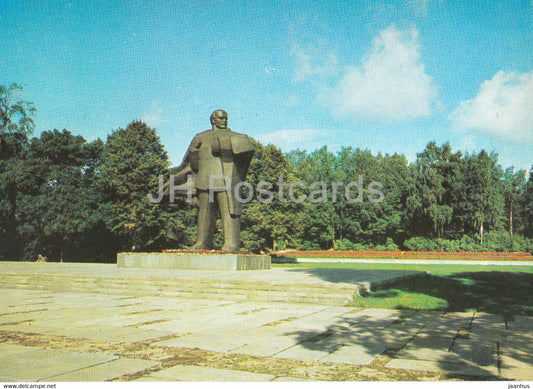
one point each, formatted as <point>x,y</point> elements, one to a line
<point>385,76</point>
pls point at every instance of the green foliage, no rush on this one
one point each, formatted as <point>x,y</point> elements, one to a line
<point>505,242</point>
<point>514,185</point>
<point>16,124</point>
<point>479,200</point>
<point>345,244</point>
<point>273,225</point>
<point>429,203</point>
<point>418,243</point>
<point>388,246</point>
<point>58,209</point>
<point>133,159</point>
<point>16,121</point>
<point>65,198</point>
<point>527,201</point>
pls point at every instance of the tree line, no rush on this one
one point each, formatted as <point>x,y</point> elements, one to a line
<point>69,199</point>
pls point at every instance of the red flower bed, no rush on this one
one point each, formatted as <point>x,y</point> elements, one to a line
<point>407,254</point>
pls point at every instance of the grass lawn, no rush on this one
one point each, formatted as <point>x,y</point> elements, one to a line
<point>506,290</point>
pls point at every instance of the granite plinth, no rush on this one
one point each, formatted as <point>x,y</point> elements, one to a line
<point>193,261</point>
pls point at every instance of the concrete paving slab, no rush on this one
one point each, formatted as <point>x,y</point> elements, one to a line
<point>426,318</point>
<point>378,318</point>
<point>28,327</point>
<point>440,332</point>
<point>481,353</point>
<point>516,369</point>
<point>105,371</point>
<point>402,331</point>
<point>443,367</point>
<point>519,344</point>
<point>262,318</point>
<point>215,342</point>
<point>457,319</point>
<point>33,315</point>
<point>521,324</point>
<point>150,379</point>
<point>191,373</point>
<point>202,322</point>
<point>111,334</point>
<point>311,350</point>
<point>516,354</point>
<point>267,342</point>
<point>488,327</point>
<point>319,321</point>
<point>293,379</point>
<point>368,337</point>
<point>13,349</point>
<point>44,363</point>
<point>302,326</point>
<point>355,354</point>
<point>482,319</point>
<point>184,325</point>
<point>428,348</point>
<point>447,325</point>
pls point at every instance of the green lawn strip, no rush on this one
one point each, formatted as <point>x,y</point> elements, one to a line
<point>396,298</point>
<point>417,258</point>
<point>438,270</point>
<point>505,290</point>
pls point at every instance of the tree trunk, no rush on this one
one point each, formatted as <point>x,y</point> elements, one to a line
<point>511,219</point>
<point>481,234</point>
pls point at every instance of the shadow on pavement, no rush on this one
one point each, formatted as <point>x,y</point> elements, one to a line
<point>502,293</point>
<point>361,338</point>
<point>496,303</point>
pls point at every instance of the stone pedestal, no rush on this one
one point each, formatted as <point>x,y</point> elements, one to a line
<point>191,261</point>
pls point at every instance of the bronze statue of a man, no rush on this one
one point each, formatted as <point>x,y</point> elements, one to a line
<point>218,159</point>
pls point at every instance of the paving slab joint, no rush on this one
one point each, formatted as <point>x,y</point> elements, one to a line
<point>499,358</point>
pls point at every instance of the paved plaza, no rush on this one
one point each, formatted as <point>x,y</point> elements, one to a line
<point>83,336</point>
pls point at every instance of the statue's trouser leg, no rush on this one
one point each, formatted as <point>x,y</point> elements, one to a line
<point>207,213</point>
<point>231,224</point>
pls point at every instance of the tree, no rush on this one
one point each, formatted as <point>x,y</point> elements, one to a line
<point>133,160</point>
<point>514,184</point>
<point>430,202</point>
<point>320,217</point>
<point>528,205</point>
<point>270,225</point>
<point>58,207</point>
<point>16,124</point>
<point>16,121</point>
<point>480,200</point>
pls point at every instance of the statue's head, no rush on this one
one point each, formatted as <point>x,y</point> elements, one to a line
<point>219,119</point>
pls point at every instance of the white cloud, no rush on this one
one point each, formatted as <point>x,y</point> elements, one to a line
<point>420,6</point>
<point>288,140</point>
<point>390,85</point>
<point>312,62</point>
<point>502,107</point>
<point>155,116</point>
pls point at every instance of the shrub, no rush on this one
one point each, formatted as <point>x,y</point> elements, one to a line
<point>388,246</point>
<point>419,243</point>
<point>494,241</point>
<point>307,246</point>
<point>344,244</point>
<point>502,241</point>
<point>361,247</point>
